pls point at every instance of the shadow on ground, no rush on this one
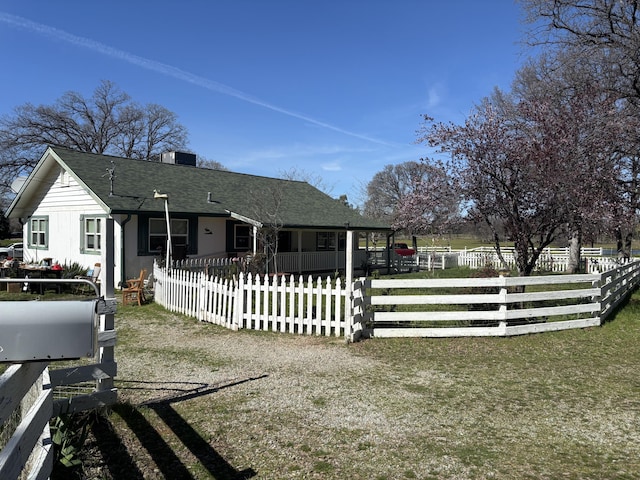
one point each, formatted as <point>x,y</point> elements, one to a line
<point>117,459</point>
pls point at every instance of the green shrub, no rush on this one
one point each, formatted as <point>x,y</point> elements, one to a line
<point>69,432</point>
<point>73,270</point>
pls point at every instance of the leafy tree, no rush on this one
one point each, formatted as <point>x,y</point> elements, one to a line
<point>534,161</point>
<point>107,122</point>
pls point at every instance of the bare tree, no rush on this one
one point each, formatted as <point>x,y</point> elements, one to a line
<point>299,174</point>
<point>203,162</point>
<point>604,33</point>
<point>107,122</point>
<point>389,186</point>
<point>267,211</point>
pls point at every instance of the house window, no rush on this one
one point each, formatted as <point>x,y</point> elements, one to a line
<point>39,232</point>
<point>242,237</point>
<point>326,241</point>
<point>158,233</point>
<point>91,228</point>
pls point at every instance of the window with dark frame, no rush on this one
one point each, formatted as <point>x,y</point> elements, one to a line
<point>242,237</point>
<point>326,241</point>
<point>158,233</point>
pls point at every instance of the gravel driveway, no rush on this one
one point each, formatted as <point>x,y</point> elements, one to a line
<point>199,401</point>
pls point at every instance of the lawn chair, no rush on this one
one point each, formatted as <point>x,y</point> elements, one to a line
<point>93,275</point>
<point>133,289</point>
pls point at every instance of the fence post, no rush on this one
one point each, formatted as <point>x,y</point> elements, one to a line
<point>598,284</point>
<point>239,303</point>
<point>355,317</point>
<point>348,288</point>
<point>200,285</point>
<point>503,307</point>
<point>107,322</point>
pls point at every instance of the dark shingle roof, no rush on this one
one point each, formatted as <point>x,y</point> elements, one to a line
<point>301,205</point>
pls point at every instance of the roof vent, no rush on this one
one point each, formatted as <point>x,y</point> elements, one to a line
<point>179,158</point>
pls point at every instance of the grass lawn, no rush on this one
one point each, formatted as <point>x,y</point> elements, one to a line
<point>202,402</point>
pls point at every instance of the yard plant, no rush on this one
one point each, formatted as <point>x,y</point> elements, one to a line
<point>199,401</point>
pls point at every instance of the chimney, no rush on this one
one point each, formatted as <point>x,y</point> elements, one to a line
<point>179,158</point>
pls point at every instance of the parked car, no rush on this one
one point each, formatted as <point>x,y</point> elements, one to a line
<point>14,251</point>
<point>403,249</point>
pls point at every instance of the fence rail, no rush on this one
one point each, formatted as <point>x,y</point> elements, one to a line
<point>495,306</point>
<point>33,393</point>
<point>27,405</point>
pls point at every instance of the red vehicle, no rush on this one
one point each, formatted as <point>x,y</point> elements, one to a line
<point>403,249</point>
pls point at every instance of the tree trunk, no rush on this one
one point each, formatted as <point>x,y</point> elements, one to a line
<point>623,246</point>
<point>575,245</point>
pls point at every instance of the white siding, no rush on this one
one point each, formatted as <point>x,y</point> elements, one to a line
<point>63,203</point>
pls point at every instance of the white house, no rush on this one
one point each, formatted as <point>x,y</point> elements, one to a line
<point>64,204</point>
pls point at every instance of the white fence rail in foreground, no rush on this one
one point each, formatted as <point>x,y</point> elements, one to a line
<point>26,402</point>
<point>31,394</point>
<point>494,306</point>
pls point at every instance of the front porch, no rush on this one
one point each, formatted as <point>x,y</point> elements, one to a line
<point>286,262</point>
<point>315,262</point>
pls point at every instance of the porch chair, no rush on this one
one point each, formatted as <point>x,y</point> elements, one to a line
<point>133,289</point>
<point>93,275</point>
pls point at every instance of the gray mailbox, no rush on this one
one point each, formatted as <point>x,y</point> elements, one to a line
<point>57,330</point>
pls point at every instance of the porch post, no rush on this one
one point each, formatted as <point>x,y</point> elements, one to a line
<point>255,240</point>
<point>299,252</point>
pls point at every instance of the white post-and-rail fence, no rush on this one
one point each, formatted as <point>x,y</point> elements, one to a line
<point>31,394</point>
<point>497,306</point>
<point>553,260</point>
<point>549,261</point>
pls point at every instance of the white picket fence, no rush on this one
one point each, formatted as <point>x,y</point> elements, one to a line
<point>283,303</point>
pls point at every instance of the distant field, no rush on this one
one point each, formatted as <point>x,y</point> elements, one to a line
<point>458,242</point>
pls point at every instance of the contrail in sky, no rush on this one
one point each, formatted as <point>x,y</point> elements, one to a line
<point>167,70</point>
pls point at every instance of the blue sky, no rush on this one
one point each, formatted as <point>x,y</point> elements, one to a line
<point>333,88</point>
